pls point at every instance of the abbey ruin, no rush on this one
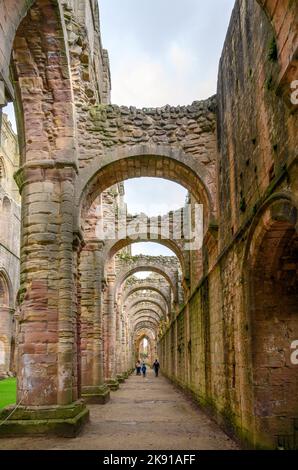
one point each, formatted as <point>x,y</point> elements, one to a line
<point>222,318</point>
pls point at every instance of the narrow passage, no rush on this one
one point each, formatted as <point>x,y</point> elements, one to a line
<point>146,413</point>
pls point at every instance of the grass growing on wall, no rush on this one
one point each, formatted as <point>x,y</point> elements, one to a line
<point>8,392</point>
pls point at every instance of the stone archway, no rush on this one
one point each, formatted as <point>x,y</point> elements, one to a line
<point>13,13</point>
<point>147,303</point>
<point>157,161</point>
<point>48,354</point>
<point>272,300</point>
<point>176,246</point>
<point>2,353</point>
<point>283,17</point>
<point>48,366</point>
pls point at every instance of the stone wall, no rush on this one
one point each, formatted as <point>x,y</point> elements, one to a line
<point>121,130</point>
<point>10,214</point>
<point>223,327</point>
<point>254,151</point>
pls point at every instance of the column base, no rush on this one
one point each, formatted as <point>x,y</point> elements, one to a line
<point>113,384</point>
<point>62,421</point>
<point>121,378</point>
<point>96,395</point>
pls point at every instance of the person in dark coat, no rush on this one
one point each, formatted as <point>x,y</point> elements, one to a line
<point>144,369</point>
<point>138,368</point>
<point>156,367</point>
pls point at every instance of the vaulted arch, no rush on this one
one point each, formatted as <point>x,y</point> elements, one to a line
<point>161,161</point>
<point>147,287</point>
<point>150,313</point>
<point>141,302</point>
<point>270,271</point>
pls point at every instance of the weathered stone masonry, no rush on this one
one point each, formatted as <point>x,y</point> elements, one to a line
<point>234,322</point>
<point>236,153</point>
<point>9,247</point>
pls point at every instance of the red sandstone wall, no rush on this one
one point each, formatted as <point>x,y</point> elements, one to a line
<point>257,143</point>
<point>257,134</point>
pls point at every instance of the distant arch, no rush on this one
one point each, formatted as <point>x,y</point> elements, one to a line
<point>113,247</point>
<point>123,163</point>
<point>145,287</point>
<point>147,302</point>
<point>6,290</point>
<point>271,296</point>
<point>6,204</point>
<point>2,170</point>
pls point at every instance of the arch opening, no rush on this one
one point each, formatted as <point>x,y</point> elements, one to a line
<point>273,278</point>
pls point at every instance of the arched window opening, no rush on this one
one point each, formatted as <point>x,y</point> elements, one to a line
<point>4,292</point>
<point>6,204</point>
<point>2,353</point>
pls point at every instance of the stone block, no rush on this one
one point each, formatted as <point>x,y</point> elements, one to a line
<point>62,421</point>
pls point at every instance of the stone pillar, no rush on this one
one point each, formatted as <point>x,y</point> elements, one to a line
<point>119,347</point>
<point>110,335</point>
<point>94,390</point>
<point>47,389</point>
<point>188,346</point>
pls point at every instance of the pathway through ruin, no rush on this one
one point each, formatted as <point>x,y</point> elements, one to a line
<point>145,413</point>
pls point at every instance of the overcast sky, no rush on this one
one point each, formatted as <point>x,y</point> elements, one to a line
<point>162,52</point>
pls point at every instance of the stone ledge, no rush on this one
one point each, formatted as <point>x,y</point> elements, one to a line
<point>62,421</point>
<point>121,378</point>
<point>96,395</point>
<point>113,384</point>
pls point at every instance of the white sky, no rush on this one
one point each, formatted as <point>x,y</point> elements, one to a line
<point>161,52</point>
<point>164,51</point>
<point>153,196</point>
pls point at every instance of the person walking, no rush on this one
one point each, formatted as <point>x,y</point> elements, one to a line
<point>156,367</point>
<point>144,369</point>
<point>138,368</point>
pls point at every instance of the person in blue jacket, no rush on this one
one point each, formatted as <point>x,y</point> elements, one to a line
<point>144,369</point>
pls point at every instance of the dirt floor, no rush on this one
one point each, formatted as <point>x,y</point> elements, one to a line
<point>144,414</point>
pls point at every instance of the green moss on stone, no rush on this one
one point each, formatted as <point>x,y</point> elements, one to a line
<point>273,51</point>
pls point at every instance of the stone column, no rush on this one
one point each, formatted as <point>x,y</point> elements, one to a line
<point>125,344</point>
<point>94,390</point>
<point>110,335</point>
<point>125,366</point>
<point>6,315</point>
<point>130,346</point>
<point>119,347</point>
<point>47,390</point>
